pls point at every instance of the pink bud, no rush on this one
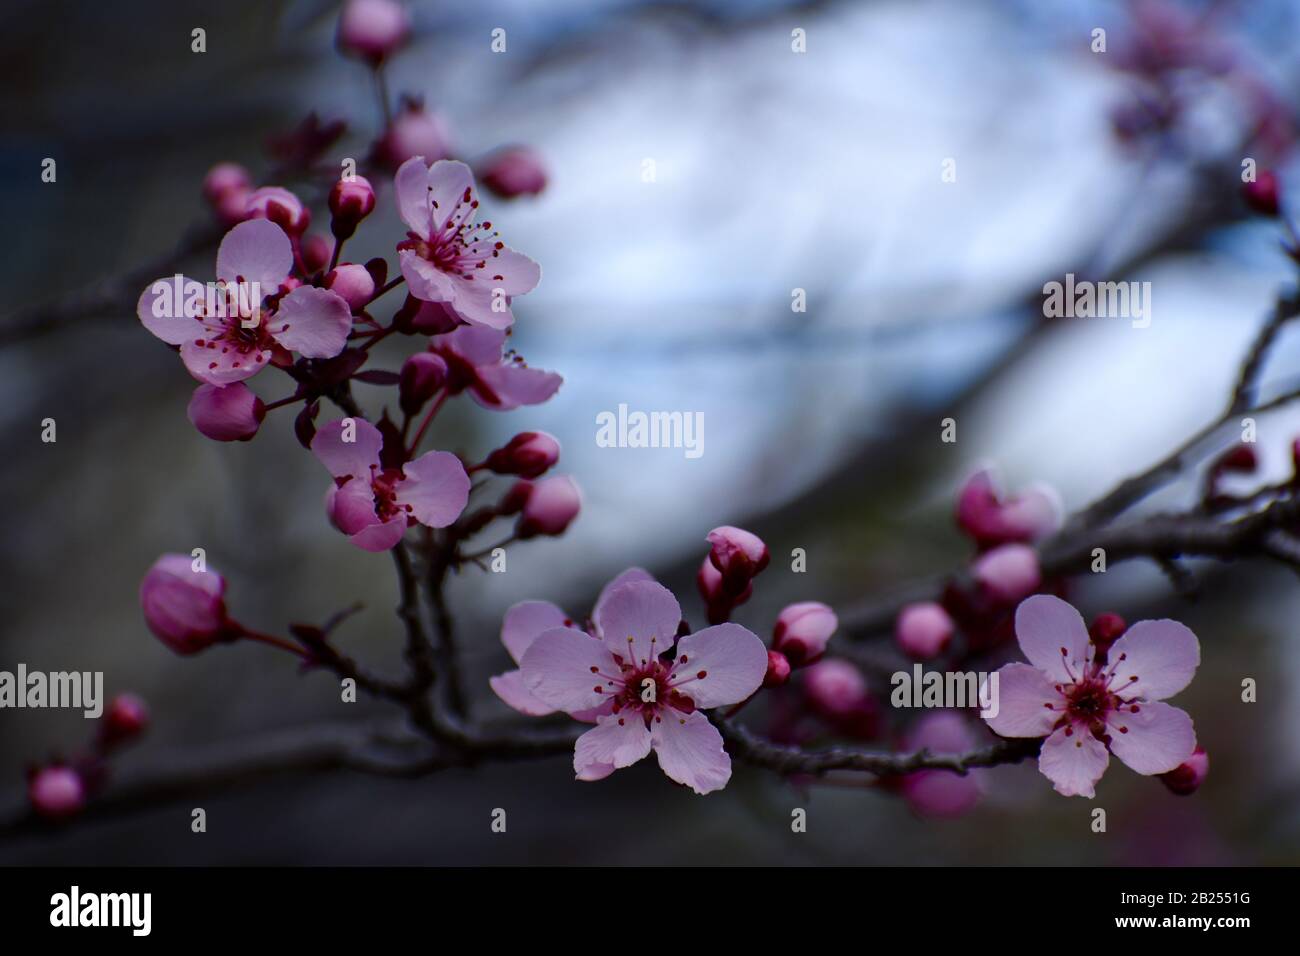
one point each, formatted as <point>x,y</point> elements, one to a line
<point>126,718</point>
<point>1106,629</point>
<point>527,455</point>
<point>513,501</point>
<point>372,29</point>
<point>802,631</point>
<point>224,178</point>
<point>718,601</point>
<point>1264,195</point>
<point>226,412</point>
<point>939,793</point>
<point>778,669</point>
<point>353,282</point>
<point>421,376</point>
<point>835,687</point>
<point>317,250</point>
<point>739,554</point>
<point>281,207</point>
<point>1188,776</point>
<point>923,631</point>
<point>1009,573</point>
<point>552,505</point>
<point>56,793</point>
<point>183,607</point>
<point>515,171</point>
<point>991,518</point>
<point>413,132</point>
<point>351,200</point>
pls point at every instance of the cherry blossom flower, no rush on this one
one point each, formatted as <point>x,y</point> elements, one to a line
<point>448,258</point>
<point>1090,705</point>
<point>372,504</point>
<point>218,349</point>
<point>941,793</point>
<point>992,518</point>
<point>226,412</point>
<point>185,608</point>
<point>527,621</point>
<point>476,364</point>
<point>515,171</point>
<point>657,701</point>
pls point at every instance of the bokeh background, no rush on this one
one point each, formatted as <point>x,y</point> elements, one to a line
<point>775,171</point>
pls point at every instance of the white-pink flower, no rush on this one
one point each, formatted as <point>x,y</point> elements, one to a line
<point>372,504</point>
<point>1090,706</point>
<point>450,259</point>
<point>221,349</point>
<point>655,692</point>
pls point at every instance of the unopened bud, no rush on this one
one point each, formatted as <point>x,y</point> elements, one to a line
<point>923,631</point>
<point>421,376</point>
<point>351,200</point>
<point>551,507</point>
<point>527,455</point>
<point>1188,776</point>
<point>803,630</point>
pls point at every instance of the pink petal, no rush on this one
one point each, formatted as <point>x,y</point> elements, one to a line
<point>558,669</point>
<point>1024,696</point>
<point>447,182</point>
<point>513,272</point>
<point>615,741</point>
<point>1074,763</point>
<point>351,507</point>
<point>345,459</point>
<point>625,577</point>
<point>174,327</point>
<point>510,688</point>
<point>690,751</point>
<point>506,386</point>
<point>412,188</point>
<point>477,346</point>
<point>474,300</point>
<point>221,364</point>
<point>255,251</point>
<point>596,771</point>
<point>1035,513</point>
<point>425,280</point>
<point>638,621</point>
<point>1162,655</point>
<point>380,537</point>
<point>436,488</point>
<point>938,793</point>
<point>1156,739</point>
<point>313,322</point>
<point>1046,627</point>
<point>527,619</point>
<point>731,659</point>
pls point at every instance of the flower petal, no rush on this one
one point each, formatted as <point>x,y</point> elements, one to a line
<point>313,322</point>
<point>525,621</point>
<point>638,621</point>
<point>513,272</point>
<point>1028,704</point>
<point>625,577</point>
<point>615,741</point>
<point>1156,739</point>
<point>450,186</point>
<point>425,280</point>
<point>510,688</point>
<point>436,488</point>
<point>690,750</point>
<point>161,314</point>
<point>1154,660</point>
<point>348,458</point>
<point>380,537</point>
<point>719,665</point>
<point>558,671</point>
<point>216,363</point>
<point>351,506</point>
<point>255,251</point>
<point>1053,636</point>
<point>412,188</point>
<point>506,386</point>
<point>1074,762</point>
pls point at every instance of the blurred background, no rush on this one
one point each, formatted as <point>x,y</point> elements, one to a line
<point>774,171</point>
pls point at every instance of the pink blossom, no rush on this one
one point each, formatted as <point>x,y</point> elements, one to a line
<point>226,412</point>
<point>413,132</point>
<point>372,29</point>
<point>941,793</point>
<point>226,188</point>
<point>550,507</point>
<point>527,621</point>
<point>1090,705</point>
<point>1188,776</point>
<point>374,505</point>
<point>422,375</point>
<point>281,207</point>
<point>738,554</point>
<point>477,365</point>
<point>350,201</point>
<point>353,282</point>
<point>992,518</point>
<point>836,690</point>
<point>184,608</point>
<point>56,793</point>
<point>218,349</point>
<point>1008,572</point>
<point>447,258</point>
<point>657,703</point>
<point>515,171</point>
<point>923,630</point>
<point>528,455</point>
<point>803,630</point>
